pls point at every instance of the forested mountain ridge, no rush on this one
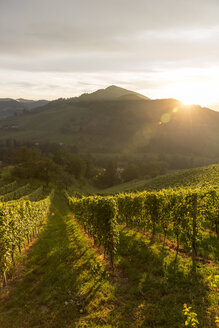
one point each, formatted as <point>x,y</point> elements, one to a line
<point>125,124</point>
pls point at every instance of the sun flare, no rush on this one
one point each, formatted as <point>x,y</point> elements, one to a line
<point>191,86</point>
<point>189,95</point>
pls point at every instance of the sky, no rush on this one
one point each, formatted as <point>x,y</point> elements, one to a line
<point>62,48</point>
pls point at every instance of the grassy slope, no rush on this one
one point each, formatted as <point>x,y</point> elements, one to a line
<point>65,284</point>
<point>183,178</point>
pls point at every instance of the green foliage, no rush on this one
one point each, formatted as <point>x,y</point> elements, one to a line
<point>191,317</point>
<point>46,170</point>
<point>130,172</point>
<point>198,177</point>
<point>60,168</point>
<point>19,219</point>
<point>17,193</point>
<point>107,177</point>
<point>34,195</point>
<point>214,281</point>
<point>76,166</point>
<point>190,178</point>
<point>8,188</point>
<point>26,156</point>
<point>98,216</point>
<point>186,213</point>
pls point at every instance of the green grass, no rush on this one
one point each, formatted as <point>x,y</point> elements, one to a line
<point>208,247</point>
<point>126,186</point>
<point>159,286</point>
<point>66,285</point>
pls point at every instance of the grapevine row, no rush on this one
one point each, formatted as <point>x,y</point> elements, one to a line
<point>18,193</point>
<point>34,195</point>
<point>8,188</point>
<point>185,213</point>
<point>19,220</point>
<point>98,216</point>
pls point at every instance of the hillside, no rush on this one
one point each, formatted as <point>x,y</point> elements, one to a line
<point>111,93</point>
<point>201,177</point>
<point>97,124</point>
<point>32,104</point>
<point>9,107</point>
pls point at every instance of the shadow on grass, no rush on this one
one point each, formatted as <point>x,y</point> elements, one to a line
<point>209,246</point>
<point>160,285</point>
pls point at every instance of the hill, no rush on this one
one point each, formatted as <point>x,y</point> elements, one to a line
<point>32,104</point>
<point>201,177</point>
<point>127,124</point>
<point>111,93</point>
<point>9,107</point>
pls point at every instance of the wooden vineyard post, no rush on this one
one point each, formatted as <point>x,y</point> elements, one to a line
<point>4,279</point>
<point>194,229</point>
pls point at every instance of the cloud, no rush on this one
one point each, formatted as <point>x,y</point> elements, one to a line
<point>32,27</point>
<point>101,42</point>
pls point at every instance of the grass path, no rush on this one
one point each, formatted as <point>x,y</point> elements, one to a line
<point>63,284</point>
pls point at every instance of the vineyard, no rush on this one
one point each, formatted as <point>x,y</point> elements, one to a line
<point>184,214</point>
<point>22,212</point>
<point>147,258</point>
<point>197,177</point>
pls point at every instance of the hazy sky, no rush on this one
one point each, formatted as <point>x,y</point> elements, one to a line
<point>62,48</point>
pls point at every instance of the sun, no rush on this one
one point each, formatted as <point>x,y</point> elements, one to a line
<point>189,95</point>
<point>190,99</point>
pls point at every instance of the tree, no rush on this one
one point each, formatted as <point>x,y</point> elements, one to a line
<point>47,170</point>
<point>26,156</point>
<point>107,177</point>
<point>76,166</point>
<point>130,172</point>
<point>91,170</point>
<point>62,157</point>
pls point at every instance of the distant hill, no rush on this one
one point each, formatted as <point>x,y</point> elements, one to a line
<point>32,104</point>
<point>115,120</point>
<point>111,93</point>
<point>10,107</point>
